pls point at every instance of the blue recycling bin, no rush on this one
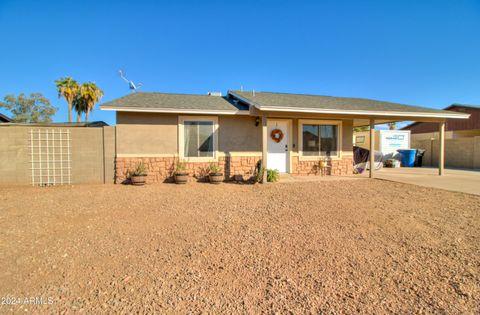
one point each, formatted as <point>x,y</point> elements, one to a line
<point>408,157</point>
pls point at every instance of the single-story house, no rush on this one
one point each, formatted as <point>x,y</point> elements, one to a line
<point>454,128</point>
<point>287,132</point>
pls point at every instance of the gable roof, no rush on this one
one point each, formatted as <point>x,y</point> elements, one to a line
<point>4,118</point>
<point>270,101</point>
<point>174,103</point>
<point>238,102</point>
<point>97,123</point>
<point>454,107</point>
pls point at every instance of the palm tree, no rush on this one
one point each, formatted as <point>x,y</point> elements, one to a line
<point>79,105</point>
<point>68,89</point>
<point>90,94</point>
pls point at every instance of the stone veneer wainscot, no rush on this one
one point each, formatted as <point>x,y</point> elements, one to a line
<point>339,167</point>
<point>161,169</point>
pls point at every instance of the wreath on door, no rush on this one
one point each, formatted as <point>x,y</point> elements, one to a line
<point>276,135</point>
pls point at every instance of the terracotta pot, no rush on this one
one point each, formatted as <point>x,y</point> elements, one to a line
<point>215,178</point>
<point>181,178</point>
<point>138,180</point>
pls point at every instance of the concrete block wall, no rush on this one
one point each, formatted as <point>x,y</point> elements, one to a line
<point>92,154</point>
<point>459,152</point>
<point>14,156</point>
<point>476,152</point>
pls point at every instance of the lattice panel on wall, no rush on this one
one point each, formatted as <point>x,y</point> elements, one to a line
<point>50,157</point>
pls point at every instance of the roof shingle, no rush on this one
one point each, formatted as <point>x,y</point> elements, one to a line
<point>270,99</point>
<point>154,100</point>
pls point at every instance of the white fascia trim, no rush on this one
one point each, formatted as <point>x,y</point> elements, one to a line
<point>360,112</point>
<point>348,112</point>
<point>177,111</point>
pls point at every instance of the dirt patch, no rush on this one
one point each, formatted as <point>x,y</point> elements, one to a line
<point>363,246</point>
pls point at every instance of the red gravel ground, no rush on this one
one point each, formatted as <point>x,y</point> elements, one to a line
<point>336,247</point>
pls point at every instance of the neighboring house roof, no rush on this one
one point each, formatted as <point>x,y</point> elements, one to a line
<point>175,103</point>
<point>472,123</point>
<point>336,105</point>
<point>455,105</point>
<point>4,119</point>
<point>98,123</point>
<point>62,124</point>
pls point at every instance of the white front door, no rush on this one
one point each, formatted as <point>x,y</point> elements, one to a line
<point>277,149</point>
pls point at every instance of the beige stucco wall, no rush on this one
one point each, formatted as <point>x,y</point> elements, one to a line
<point>92,154</point>
<point>239,134</point>
<point>146,134</point>
<point>347,136</point>
<point>366,142</point>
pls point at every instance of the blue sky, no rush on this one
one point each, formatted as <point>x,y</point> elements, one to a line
<point>423,53</point>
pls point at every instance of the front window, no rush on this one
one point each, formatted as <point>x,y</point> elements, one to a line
<point>320,139</point>
<point>311,140</point>
<point>198,138</point>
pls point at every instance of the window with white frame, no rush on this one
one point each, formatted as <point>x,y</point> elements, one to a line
<point>198,137</point>
<point>319,138</point>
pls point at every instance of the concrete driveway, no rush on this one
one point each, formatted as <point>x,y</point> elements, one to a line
<point>467,181</point>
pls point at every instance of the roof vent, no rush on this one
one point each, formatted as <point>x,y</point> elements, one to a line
<point>214,93</point>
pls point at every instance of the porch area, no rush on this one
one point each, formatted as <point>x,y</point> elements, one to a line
<point>342,164</point>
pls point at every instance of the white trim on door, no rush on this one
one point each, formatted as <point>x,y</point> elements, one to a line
<point>289,135</point>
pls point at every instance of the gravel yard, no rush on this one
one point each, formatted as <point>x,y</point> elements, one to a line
<point>334,247</point>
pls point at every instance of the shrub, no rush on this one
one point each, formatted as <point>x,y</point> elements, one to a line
<point>180,167</point>
<point>140,170</point>
<point>214,168</point>
<point>272,175</point>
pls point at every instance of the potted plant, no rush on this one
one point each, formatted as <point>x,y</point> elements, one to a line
<point>181,175</point>
<point>139,175</point>
<point>324,167</point>
<point>215,174</point>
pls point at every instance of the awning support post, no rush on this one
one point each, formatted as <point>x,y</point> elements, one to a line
<point>264,148</point>
<point>441,153</point>
<point>372,148</point>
